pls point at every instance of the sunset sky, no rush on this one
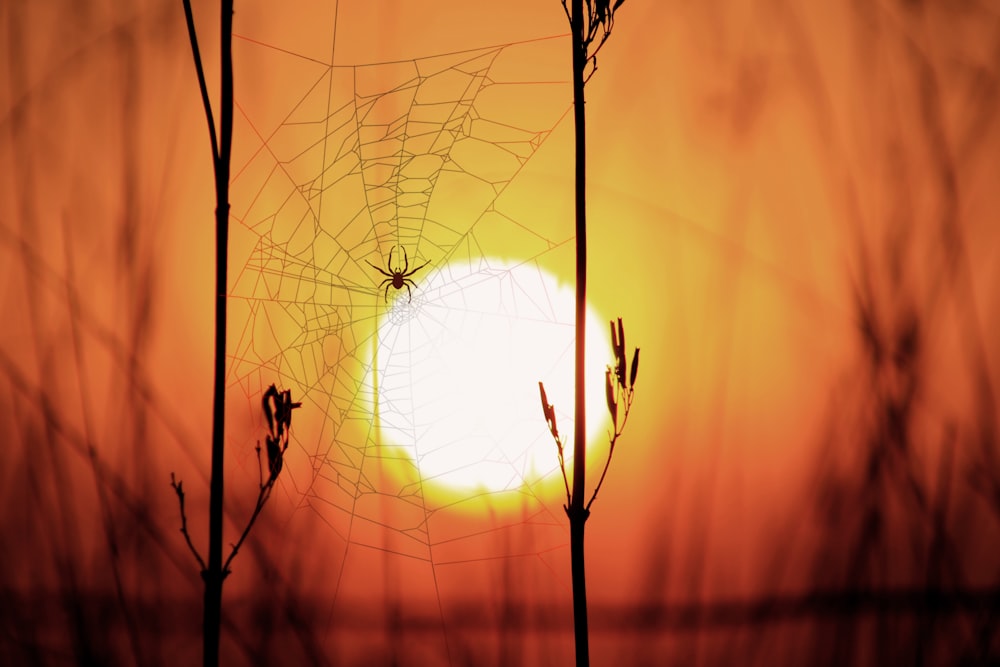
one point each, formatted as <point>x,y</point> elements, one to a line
<point>791,205</point>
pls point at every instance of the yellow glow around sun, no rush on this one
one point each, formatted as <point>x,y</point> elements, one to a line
<point>458,367</point>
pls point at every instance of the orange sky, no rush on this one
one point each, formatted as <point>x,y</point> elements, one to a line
<point>757,171</point>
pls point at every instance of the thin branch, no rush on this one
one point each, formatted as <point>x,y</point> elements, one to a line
<point>566,11</point>
<point>562,467</point>
<point>629,395</point>
<point>550,419</point>
<point>189,17</point>
<point>607,464</point>
<point>260,468</point>
<point>593,26</point>
<point>593,56</point>
<point>262,496</point>
<point>179,489</point>
<point>279,421</point>
<point>587,78</point>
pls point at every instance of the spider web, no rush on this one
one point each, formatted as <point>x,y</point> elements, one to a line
<point>408,156</point>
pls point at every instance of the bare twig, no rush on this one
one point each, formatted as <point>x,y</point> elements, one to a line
<point>262,496</point>
<point>206,103</point>
<point>277,407</point>
<point>600,20</point>
<point>179,490</point>
<point>591,73</point>
<point>562,467</point>
<point>613,438</point>
<point>550,419</point>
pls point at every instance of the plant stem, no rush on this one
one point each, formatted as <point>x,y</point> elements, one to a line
<point>577,522</point>
<point>576,511</point>
<point>214,574</point>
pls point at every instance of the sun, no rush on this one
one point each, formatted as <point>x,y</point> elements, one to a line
<point>456,372</point>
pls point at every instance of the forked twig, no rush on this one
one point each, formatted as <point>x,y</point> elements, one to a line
<point>205,101</point>
<point>613,438</point>
<point>179,490</point>
<point>262,496</point>
<point>550,419</point>
<point>277,408</point>
<point>600,20</point>
<point>619,388</point>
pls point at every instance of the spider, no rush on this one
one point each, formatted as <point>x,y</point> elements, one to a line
<point>395,277</point>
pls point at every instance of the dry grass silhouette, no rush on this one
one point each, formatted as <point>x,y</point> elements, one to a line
<point>882,548</point>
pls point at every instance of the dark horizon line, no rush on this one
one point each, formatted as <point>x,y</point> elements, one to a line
<point>642,617</point>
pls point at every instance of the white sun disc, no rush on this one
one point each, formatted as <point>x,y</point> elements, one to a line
<point>458,367</point>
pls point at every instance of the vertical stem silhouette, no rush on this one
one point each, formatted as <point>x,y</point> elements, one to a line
<point>596,24</point>
<point>214,573</point>
<point>277,406</point>
<point>577,512</point>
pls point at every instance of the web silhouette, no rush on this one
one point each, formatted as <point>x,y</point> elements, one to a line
<point>410,156</point>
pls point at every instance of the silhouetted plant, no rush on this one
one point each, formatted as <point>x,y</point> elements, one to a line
<point>277,408</point>
<point>591,22</point>
<point>619,389</point>
<point>222,144</point>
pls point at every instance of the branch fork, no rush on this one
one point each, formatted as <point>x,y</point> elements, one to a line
<point>277,407</point>
<point>619,387</point>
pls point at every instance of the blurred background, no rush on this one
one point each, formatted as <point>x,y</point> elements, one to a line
<point>792,206</point>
